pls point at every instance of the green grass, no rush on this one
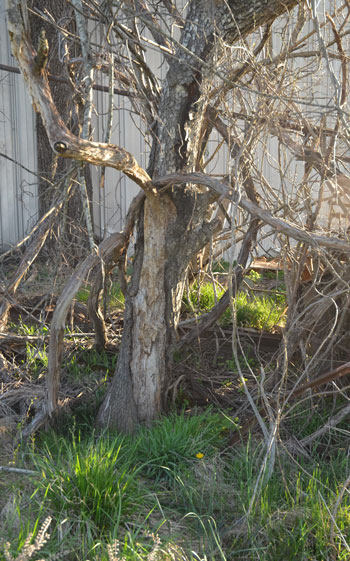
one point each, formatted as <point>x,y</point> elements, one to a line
<point>75,365</point>
<point>152,498</point>
<point>93,480</point>
<point>115,297</point>
<point>23,328</point>
<point>88,362</point>
<point>259,312</point>
<point>174,442</point>
<point>36,358</point>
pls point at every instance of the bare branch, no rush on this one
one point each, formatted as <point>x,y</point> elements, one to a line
<point>278,224</point>
<point>63,142</point>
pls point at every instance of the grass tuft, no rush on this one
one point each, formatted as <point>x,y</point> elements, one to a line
<point>172,492</point>
<point>259,312</point>
<point>169,444</point>
<point>87,479</point>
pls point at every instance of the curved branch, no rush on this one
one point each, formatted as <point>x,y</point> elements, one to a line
<point>100,272</point>
<point>62,141</point>
<point>278,224</point>
<point>110,249</point>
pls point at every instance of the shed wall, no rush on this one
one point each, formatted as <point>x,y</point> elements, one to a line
<point>18,187</point>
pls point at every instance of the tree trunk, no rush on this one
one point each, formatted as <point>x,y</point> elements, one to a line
<point>174,227</point>
<point>49,165</point>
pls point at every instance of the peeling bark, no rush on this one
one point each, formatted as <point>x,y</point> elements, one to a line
<point>174,226</point>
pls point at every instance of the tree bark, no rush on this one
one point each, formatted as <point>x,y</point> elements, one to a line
<point>48,164</point>
<point>174,227</point>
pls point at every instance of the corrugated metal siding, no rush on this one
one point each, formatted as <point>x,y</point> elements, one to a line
<point>18,188</point>
<point>111,203</point>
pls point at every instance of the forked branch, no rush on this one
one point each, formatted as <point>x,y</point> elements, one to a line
<point>62,141</point>
<point>278,224</point>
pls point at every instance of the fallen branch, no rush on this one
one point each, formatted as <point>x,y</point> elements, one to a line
<point>331,423</point>
<point>7,339</point>
<point>18,470</point>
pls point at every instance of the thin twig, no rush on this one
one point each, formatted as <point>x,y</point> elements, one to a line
<point>18,470</point>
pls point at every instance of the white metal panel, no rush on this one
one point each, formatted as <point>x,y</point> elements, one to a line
<point>18,188</point>
<point>111,203</point>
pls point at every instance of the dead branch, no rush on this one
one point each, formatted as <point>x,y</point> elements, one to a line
<point>62,140</point>
<point>18,470</point>
<point>28,258</point>
<point>9,340</point>
<point>339,372</point>
<point>331,423</point>
<point>344,67</point>
<point>95,313</point>
<point>62,80</point>
<point>278,224</point>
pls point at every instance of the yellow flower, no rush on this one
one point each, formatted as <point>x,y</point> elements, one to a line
<point>199,455</point>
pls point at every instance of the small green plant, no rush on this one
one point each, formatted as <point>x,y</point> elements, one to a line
<point>29,329</point>
<point>254,276</point>
<point>244,362</point>
<point>83,295</point>
<point>202,298</point>
<point>175,440</point>
<point>89,362</point>
<point>115,296</point>
<point>88,479</point>
<point>36,359</point>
